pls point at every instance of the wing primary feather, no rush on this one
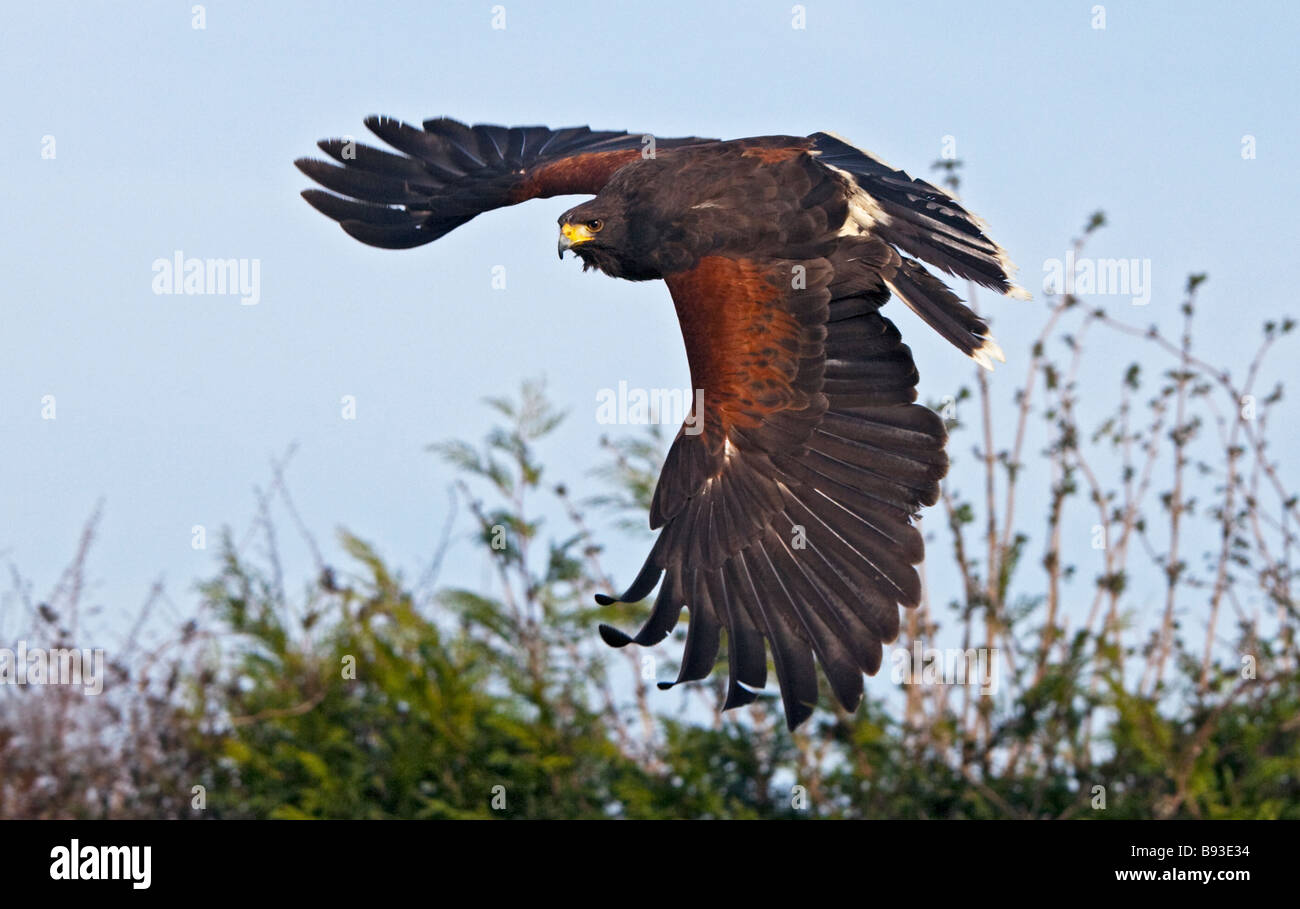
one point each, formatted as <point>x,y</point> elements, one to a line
<point>746,656</point>
<point>796,673</point>
<point>640,588</point>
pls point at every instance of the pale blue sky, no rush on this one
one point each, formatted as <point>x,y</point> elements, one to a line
<point>169,407</point>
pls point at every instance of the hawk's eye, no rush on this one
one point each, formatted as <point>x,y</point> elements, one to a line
<point>595,226</point>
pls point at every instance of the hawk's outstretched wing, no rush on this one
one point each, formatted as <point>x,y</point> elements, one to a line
<point>450,172</point>
<point>789,517</point>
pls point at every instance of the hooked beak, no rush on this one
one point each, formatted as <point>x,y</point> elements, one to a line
<point>572,235</point>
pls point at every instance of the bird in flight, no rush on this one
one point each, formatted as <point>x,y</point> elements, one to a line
<point>785,512</point>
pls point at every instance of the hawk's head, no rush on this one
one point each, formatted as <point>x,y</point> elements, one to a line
<point>599,233</point>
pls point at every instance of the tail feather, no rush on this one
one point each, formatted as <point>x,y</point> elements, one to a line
<point>944,311</point>
<point>920,219</point>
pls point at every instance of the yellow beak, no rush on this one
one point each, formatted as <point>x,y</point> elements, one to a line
<point>571,235</point>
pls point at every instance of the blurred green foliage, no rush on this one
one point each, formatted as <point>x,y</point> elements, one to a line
<point>476,704</point>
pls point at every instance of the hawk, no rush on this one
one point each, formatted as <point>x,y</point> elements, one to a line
<point>786,514</point>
